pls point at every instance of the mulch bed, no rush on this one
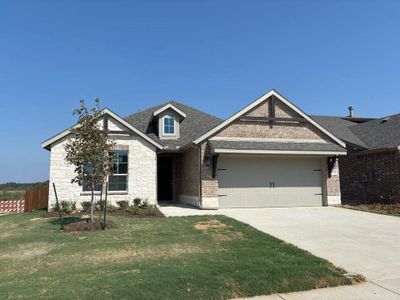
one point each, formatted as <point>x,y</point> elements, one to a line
<point>134,213</point>
<point>153,213</point>
<point>388,209</point>
<point>86,226</point>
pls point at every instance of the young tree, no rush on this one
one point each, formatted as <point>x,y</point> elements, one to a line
<point>89,150</point>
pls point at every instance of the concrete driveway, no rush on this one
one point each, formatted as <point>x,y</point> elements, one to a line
<point>360,242</point>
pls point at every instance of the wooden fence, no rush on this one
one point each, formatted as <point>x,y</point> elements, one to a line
<point>36,198</point>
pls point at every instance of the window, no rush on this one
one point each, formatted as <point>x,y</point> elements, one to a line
<point>169,125</point>
<point>85,186</point>
<point>118,181</point>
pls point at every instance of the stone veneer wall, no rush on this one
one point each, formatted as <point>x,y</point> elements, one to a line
<point>142,173</point>
<point>383,170</point>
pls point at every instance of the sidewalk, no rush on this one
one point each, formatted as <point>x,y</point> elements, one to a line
<point>364,291</point>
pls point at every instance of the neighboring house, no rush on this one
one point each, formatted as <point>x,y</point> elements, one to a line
<point>371,170</point>
<point>270,153</point>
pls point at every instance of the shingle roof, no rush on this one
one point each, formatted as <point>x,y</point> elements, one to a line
<point>194,125</point>
<point>373,134</point>
<point>381,133</point>
<point>279,146</point>
<point>369,135</point>
<point>341,128</point>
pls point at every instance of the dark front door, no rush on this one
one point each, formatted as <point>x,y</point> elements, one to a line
<point>165,178</point>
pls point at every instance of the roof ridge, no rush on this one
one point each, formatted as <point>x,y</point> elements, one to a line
<point>196,109</point>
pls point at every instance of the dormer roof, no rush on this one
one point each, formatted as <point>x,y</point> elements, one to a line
<point>169,106</point>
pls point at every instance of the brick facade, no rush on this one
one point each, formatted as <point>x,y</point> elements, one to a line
<point>382,171</point>
<point>331,183</point>
<point>209,185</point>
<point>283,130</point>
<point>189,177</point>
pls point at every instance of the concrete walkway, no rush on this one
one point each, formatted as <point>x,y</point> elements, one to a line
<point>360,242</point>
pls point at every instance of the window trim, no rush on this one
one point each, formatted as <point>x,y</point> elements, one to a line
<point>127,174</point>
<point>115,192</point>
<point>163,126</point>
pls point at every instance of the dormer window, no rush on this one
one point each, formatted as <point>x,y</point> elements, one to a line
<point>169,125</point>
<point>168,119</point>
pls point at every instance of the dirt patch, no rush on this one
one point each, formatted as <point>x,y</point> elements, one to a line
<point>228,236</point>
<point>28,251</point>
<point>212,224</point>
<point>6,234</point>
<point>219,232</point>
<point>234,288</point>
<point>86,226</point>
<point>148,253</point>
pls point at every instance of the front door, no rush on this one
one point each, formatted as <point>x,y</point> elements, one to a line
<point>165,178</point>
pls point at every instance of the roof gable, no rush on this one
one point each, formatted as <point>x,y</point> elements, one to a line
<point>195,124</point>
<point>47,144</point>
<point>169,106</point>
<point>255,104</point>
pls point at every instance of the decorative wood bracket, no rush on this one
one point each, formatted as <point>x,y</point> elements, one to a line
<point>331,165</point>
<point>214,165</point>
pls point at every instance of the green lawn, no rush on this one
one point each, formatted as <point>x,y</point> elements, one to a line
<point>167,258</point>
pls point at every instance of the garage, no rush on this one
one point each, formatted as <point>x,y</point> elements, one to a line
<point>267,181</point>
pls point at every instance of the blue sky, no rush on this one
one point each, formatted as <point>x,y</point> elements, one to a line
<point>214,55</point>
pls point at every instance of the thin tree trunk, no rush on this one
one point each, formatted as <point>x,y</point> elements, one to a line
<point>105,207</point>
<point>91,204</point>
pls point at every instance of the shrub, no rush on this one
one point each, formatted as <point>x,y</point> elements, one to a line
<point>148,211</point>
<point>86,205</point>
<point>99,205</point>
<point>67,206</point>
<point>123,204</point>
<point>136,202</point>
<point>111,208</point>
<point>55,207</point>
<point>145,204</point>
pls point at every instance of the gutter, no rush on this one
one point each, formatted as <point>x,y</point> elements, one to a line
<point>372,151</point>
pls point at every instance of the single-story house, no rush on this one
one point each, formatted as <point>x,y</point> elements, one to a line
<point>270,153</point>
<point>370,172</point>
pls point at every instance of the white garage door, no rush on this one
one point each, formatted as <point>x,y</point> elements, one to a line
<point>258,182</point>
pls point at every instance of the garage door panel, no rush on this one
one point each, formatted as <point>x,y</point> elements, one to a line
<point>248,182</point>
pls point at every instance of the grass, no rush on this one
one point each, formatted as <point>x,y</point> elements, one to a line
<point>378,208</point>
<point>202,257</point>
<point>16,191</point>
<point>12,195</point>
